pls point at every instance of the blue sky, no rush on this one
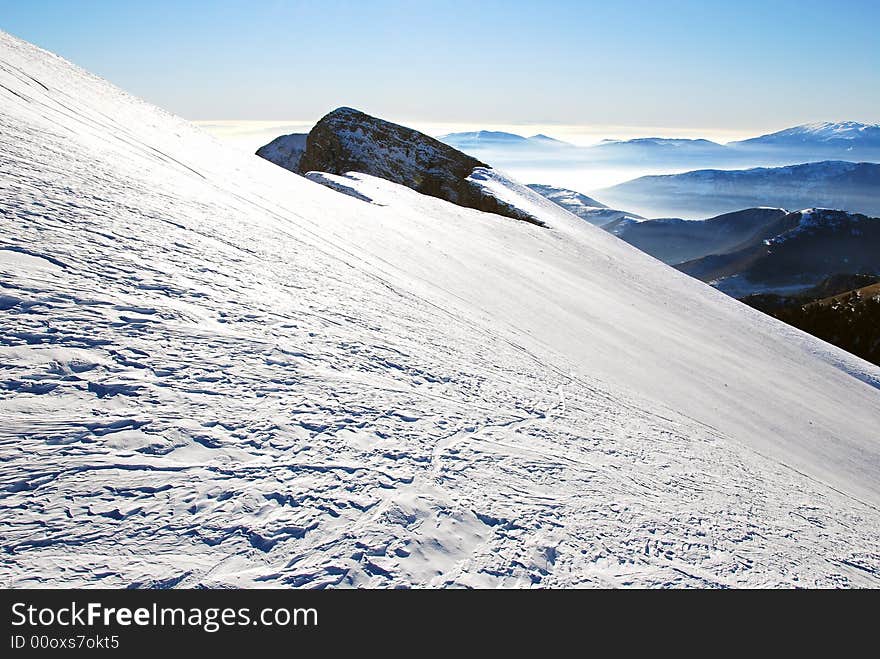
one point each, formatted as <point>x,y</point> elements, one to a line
<point>685,65</point>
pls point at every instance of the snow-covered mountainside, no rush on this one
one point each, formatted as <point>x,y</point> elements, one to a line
<point>848,186</point>
<point>568,199</point>
<point>584,207</point>
<point>217,373</point>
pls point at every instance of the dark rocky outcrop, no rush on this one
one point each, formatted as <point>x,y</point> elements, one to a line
<point>347,140</point>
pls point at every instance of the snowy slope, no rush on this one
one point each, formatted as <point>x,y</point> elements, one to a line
<point>215,372</point>
<point>570,200</point>
<point>584,207</point>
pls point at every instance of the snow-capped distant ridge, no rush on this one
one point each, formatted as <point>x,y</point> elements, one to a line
<point>794,253</point>
<point>813,219</point>
<point>828,130</point>
<point>822,134</point>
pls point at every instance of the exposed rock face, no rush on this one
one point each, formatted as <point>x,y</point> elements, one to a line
<point>347,140</point>
<point>285,151</point>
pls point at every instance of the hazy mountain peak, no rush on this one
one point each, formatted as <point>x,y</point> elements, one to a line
<point>484,136</point>
<point>540,137</point>
<point>500,139</point>
<point>827,134</point>
<point>663,141</point>
<point>833,129</point>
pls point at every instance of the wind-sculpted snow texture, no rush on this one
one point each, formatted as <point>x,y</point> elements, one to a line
<point>214,372</point>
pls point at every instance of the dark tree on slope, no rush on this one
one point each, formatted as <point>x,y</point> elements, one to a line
<point>852,324</point>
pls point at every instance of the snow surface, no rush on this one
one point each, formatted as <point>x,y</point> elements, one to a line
<point>285,150</point>
<point>217,373</point>
<point>584,207</point>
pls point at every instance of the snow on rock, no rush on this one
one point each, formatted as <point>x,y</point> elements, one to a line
<point>285,150</point>
<point>216,373</point>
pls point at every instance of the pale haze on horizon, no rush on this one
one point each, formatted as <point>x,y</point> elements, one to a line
<point>580,70</point>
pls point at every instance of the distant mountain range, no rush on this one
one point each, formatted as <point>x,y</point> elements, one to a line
<point>675,240</point>
<point>829,184</point>
<point>672,152</point>
<point>846,140</point>
<point>484,139</point>
<point>804,248</point>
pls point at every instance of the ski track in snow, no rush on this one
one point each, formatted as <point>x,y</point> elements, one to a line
<point>199,387</point>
